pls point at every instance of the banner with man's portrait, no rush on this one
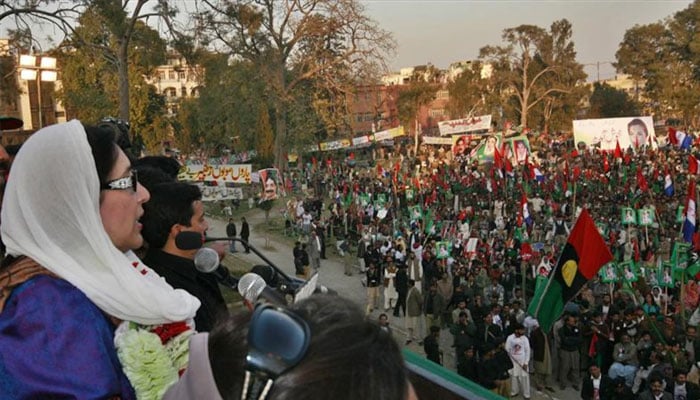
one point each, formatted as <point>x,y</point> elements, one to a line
<point>271,183</point>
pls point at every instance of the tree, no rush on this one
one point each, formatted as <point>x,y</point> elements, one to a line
<point>642,51</point>
<point>664,56</point>
<point>91,86</point>
<point>266,140</point>
<point>468,92</point>
<point>119,18</point>
<point>533,65</point>
<point>412,98</point>
<point>608,102</point>
<point>559,107</point>
<point>291,42</point>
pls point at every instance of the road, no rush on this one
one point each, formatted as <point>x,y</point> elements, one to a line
<point>331,275</point>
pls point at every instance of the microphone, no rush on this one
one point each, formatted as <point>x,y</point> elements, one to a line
<point>206,260</point>
<point>253,288</point>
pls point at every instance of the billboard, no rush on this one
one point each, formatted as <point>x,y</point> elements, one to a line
<point>270,183</point>
<point>605,133</point>
<point>482,122</point>
<point>515,148</point>
<point>222,173</point>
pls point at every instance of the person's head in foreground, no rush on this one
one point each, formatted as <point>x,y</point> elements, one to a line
<point>327,350</point>
<point>70,219</point>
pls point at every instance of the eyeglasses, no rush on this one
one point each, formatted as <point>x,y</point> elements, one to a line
<point>277,341</point>
<point>127,182</point>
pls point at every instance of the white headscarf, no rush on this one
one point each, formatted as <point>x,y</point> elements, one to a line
<point>51,213</point>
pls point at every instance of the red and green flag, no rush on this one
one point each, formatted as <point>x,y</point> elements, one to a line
<point>583,255</point>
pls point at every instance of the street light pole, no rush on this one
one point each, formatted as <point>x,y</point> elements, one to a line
<point>45,70</point>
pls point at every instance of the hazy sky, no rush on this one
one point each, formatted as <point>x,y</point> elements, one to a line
<point>443,31</point>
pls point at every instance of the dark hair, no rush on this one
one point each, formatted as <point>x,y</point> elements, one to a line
<point>638,122</point>
<point>345,347</point>
<point>150,176</point>
<point>104,150</point>
<point>170,204</point>
<point>167,165</point>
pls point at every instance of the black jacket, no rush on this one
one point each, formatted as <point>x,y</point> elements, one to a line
<point>180,273</point>
<point>245,231</point>
<point>231,229</point>
<point>432,349</point>
<point>692,390</point>
<point>605,390</point>
<point>571,338</point>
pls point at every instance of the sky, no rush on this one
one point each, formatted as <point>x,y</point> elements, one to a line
<point>443,31</point>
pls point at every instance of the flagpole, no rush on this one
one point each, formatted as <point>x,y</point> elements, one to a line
<point>682,295</point>
<point>573,212</point>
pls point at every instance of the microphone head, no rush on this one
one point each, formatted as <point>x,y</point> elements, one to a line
<point>188,240</point>
<point>206,260</point>
<point>251,286</point>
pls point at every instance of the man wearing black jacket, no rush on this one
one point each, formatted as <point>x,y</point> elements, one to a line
<point>176,207</point>
<point>596,385</point>
<point>231,232</point>
<point>569,352</point>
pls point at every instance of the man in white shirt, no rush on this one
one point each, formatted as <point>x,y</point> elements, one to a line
<point>518,348</point>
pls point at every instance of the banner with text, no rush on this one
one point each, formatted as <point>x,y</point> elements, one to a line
<point>482,122</point>
<point>222,173</point>
<point>218,193</point>
<point>605,133</point>
<point>389,134</point>
<point>437,140</point>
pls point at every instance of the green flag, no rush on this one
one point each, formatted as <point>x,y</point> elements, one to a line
<point>583,255</point>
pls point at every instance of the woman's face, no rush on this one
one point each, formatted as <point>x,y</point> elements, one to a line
<point>638,135</point>
<point>120,210</point>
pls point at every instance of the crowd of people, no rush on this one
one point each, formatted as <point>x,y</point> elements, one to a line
<point>87,312</point>
<point>454,245</point>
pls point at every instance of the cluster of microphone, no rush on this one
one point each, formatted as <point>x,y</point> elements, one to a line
<point>251,286</point>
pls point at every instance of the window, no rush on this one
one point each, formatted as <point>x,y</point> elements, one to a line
<point>436,112</point>
<point>171,75</point>
<point>181,75</point>
<point>183,91</point>
<point>443,94</point>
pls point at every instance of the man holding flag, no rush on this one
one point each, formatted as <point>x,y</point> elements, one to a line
<point>584,253</point>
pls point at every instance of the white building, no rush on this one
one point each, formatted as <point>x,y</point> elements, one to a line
<point>176,80</point>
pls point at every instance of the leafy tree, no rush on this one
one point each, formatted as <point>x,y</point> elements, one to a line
<point>608,102</point>
<point>290,42</point>
<point>664,57</point>
<point>120,22</point>
<point>559,107</point>
<point>412,97</point>
<point>533,66</point>
<point>223,114</point>
<point>468,92</point>
<point>642,50</point>
<point>90,85</point>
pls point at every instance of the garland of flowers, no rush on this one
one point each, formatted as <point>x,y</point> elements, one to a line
<point>153,357</point>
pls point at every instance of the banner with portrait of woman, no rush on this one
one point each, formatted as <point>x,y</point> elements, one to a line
<point>605,133</point>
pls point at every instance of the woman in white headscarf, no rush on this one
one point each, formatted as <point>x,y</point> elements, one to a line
<point>70,218</point>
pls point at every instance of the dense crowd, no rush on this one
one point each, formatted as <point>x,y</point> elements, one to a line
<point>454,244</point>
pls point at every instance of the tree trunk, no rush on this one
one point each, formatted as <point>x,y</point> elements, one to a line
<point>123,74</point>
<point>281,134</point>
